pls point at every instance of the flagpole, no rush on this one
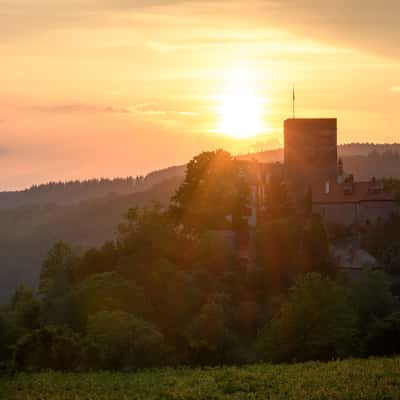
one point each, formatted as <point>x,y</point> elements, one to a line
<point>294,99</point>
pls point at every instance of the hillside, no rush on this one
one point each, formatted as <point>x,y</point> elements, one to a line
<point>86,213</point>
<point>74,192</point>
<point>350,379</point>
<point>27,232</point>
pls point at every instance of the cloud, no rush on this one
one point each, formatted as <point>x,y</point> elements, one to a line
<point>80,108</point>
<point>394,89</point>
<point>152,109</point>
<point>134,4</point>
<point>21,18</point>
<point>367,25</point>
<point>144,109</point>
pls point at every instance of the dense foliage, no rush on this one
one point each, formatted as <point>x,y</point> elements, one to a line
<point>27,232</point>
<point>352,379</point>
<point>382,239</point>
<point>316,322</point>
<point>85,213</point>
<point>173,289</point>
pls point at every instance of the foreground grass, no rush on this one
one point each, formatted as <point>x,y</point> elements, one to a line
<point>350,379</point>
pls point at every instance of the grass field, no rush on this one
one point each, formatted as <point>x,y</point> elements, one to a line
<point>351,379</point>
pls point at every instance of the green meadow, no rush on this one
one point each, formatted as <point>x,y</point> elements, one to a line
<point>377,378</point>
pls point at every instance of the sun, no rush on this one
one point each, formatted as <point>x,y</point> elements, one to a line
<point>240,108</point>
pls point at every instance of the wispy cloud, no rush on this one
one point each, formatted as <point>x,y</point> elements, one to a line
<point>334,22</point>
<point>145,109</point>
<point>153,109</point>
<point>80,108</point>
<point>394,89</point>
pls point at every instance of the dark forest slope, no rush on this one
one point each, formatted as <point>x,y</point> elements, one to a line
<point>73,192</point>
<point>27,232</point>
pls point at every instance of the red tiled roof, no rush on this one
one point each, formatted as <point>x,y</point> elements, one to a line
<point>361,192</point>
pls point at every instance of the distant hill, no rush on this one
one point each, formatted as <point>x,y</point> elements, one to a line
<point>73,192</point>
<point>356,156</point>
<point>27,232</point>
<point>363,149</point>
<point>363,160</point>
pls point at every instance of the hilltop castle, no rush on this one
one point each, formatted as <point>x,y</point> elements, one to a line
<point>311,165</point>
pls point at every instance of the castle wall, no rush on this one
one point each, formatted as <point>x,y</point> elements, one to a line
<point>337,213</point>
<point>372,210</point>
<point>352,213</point>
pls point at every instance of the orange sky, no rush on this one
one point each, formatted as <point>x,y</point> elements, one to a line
<point>92,88</point>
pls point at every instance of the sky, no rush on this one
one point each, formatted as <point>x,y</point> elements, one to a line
<point>104,88</point>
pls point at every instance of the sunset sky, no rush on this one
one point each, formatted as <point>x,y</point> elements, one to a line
<point>92,88</point>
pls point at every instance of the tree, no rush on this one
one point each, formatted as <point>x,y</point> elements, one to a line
<point>109,291</point>
<point>371,298</point>
<point>8,335</point>
<point>213,190</point>
<point>207,334</point>
<point>146,238</point>
<point>59,304</point>
<point>316,322</point>
<point>277,252</point>
<point>125,341</point>
<point>26,309</point>
<point>176,301</point>
<point>96,261</point>
<point>382,339</point>
<point>54,348</point>
<point>315,247</point>
<point>56,268</point>
<point>382,240</point>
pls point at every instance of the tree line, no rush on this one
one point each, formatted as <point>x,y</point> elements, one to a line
<point>172,289</point>
<point>74,192</point>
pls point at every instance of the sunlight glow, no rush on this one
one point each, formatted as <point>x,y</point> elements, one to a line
<point>241,109</point>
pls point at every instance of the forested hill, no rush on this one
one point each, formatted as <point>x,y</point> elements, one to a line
<point>27,232</point>
<point>73,192</point>
<point>363,160</point>
<point>86,213</point>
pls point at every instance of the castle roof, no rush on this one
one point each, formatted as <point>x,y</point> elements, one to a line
<point>354,192</point>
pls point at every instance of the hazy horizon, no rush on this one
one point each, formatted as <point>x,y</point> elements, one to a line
<point>116,88</point>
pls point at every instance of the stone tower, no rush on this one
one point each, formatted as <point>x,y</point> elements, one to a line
<point>310,151</point>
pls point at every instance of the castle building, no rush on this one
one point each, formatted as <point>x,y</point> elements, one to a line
<point>311,162</point>
<point>353,203</point>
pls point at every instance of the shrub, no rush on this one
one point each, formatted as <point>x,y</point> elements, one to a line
<point>383,337</point>
<point>124,341</point>
<point>48,348</point>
